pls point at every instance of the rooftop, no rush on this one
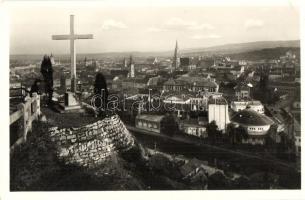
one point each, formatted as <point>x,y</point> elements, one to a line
<point>251,117</point>
<point>193,80</point>
<point>152,118</point>
<point>192,122</point>
<point>174,82</point>
<point>205,83</point>
<point>241,87</point>
<point>158,80</point>
<point>253,103</point>
<point>218,101</point>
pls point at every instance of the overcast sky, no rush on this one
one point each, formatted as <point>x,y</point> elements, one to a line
<point>148,28</point>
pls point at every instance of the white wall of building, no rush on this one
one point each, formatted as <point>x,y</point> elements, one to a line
<point>258,130</point>
<point>258,108</point>
<point>132,72</point>
<point>195,131</point>
<point>238,105</point>
<point>219,114</point>
<point>241,105</point>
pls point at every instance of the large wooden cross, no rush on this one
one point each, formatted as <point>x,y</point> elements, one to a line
<point>72,36</point>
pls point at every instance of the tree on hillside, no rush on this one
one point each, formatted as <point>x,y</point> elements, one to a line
<point>169,125</point>
<point>231,133</point>
<point>212,131</point>
<point>241,133</point>
<point>47,73</point>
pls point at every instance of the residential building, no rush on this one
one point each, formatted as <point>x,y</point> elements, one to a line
<point>157,123</point>
<point>192,127</point>
<point>237,70</point>
<point>204,85</point>
<point>174,85</point>
<point>254,105</point>
<point>193,84</point>
<point>149,122</point>
<point>242,91</point>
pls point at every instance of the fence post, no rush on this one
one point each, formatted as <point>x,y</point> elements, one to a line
<point>21,108</point>
<point>36,101</point>
<point>38,105</point>
<point>27,111</point>
<point>30,110</point>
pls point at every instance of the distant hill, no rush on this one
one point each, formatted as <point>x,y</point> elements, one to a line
<point>222,49</point>
<point>269,53</point>
<point>242,47</point>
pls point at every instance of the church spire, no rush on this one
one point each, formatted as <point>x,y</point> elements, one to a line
<point>175,59</point>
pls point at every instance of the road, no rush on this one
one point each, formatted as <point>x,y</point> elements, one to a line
<point>219,150</point>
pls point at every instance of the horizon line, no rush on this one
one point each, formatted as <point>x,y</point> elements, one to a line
<point>164,51</point>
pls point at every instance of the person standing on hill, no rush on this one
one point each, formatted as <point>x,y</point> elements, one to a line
<point>47,73</point>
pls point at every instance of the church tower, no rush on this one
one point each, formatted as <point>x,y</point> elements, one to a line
<point>175,64</point>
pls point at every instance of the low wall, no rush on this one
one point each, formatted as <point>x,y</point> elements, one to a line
<point>90,145</point>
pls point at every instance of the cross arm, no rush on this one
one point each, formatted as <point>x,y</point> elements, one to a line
<point>60,37</point>
<point>85,36</point>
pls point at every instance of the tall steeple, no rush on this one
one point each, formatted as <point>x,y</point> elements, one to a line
<point>176,59</point>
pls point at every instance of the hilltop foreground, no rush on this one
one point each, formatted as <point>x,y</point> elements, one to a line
<point>53,159</point>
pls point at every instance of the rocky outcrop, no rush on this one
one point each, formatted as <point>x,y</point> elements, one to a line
<point>91,145</point>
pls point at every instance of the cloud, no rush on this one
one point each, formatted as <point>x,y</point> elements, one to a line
<point>202,27</point>
<point>111,24</point>
<point>154,29</point>
<point>178,23</point>
<point>254,23</point>
<point>211,36</point>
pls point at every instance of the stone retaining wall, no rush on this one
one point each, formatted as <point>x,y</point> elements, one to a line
<point>90,145</point>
